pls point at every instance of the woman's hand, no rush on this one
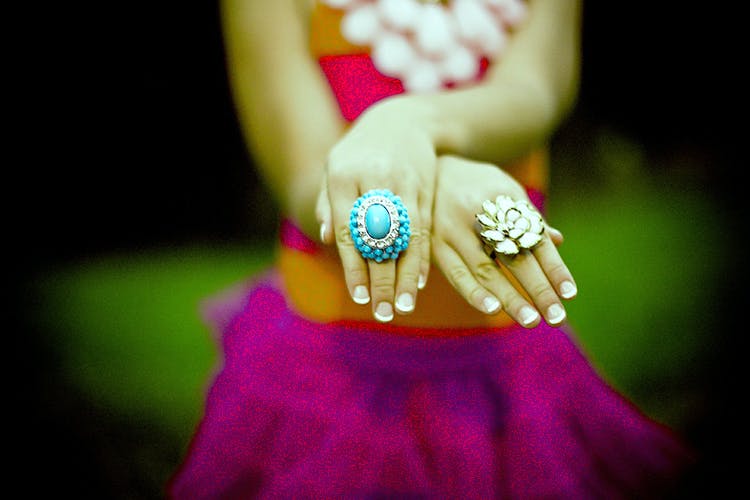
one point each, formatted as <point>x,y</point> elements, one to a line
<point>387,148</point>
<point>462,187</point>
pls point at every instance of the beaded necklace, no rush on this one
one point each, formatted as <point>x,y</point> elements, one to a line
<point>428,44</point>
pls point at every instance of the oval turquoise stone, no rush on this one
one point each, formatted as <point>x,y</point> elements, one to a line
<point>377,221</point>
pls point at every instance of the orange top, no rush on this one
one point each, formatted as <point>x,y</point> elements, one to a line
<point>312,273</point>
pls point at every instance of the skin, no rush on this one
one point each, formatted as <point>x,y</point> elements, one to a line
<point>316,168</point>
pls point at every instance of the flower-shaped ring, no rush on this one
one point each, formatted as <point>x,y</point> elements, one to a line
<point>508,225</point>
<point>379,224</point>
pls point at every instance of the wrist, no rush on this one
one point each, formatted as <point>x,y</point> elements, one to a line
<point>420,113</point>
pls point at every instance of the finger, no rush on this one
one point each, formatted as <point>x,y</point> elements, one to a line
<point>409,261</point>
<point>461,278</point>
<point>489,275</point>
<point>555,269</point>
<point>341,198</point>
<point>425,217</point>
<point>530,275</point>
<point>323,213</point>
<point>382,283</point>
<point>555,235</point>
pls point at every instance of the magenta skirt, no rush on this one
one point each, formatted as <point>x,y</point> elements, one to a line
<point>305,410</point>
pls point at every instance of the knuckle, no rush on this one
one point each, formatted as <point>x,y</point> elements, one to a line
<point>475,295</point>
<point>486,271</point>
<point>516,262</point>
<point>409,275</point>
<point>419,237</point>
<point>458,276</point>
<point>344,237</point>
<point>382,284</point>
<point>355,275</point>
<point>557,270</point>
<point>512,301</point>
<point>542,293</point>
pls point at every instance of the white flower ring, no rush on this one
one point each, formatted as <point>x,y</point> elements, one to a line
<point>509,226</point>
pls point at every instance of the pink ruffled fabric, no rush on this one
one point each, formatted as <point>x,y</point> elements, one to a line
<point>305,410</point>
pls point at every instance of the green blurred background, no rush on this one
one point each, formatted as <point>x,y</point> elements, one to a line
<point>158,207</point>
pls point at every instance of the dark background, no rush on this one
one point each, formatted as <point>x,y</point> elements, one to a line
<point>128,140</point>
<point>135,141</point>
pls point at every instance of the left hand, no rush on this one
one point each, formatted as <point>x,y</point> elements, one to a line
<point>462,187</point>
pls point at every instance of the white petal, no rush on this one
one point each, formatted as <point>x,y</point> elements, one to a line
<point>493,235</point>
<point>536,225</point>
<point>490,208</point>
<point>516,233</point>
<point>435,31</point>
<point>528,240</point>
<point>506,247</point>
<point>486,221</point>
<point>512,215</point>
<point>393,55</point>
<point>526,209</point>
<point>504,203</point>
<point>523,224</point>
<point>361,25</point>
<point>399,14</point>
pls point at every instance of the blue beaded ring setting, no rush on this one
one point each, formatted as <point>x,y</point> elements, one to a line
<point>379,224</point>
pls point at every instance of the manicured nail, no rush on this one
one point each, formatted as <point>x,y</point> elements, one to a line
<point>528,315</point>
<point>361,295</point>
<point>405,303</point>
<point>384,312</point>
<point>491,304</point>
<point>568,290</point>
<point>555,314</point>
<point>323,232</point>
<point>422,281</point>
<point>554,232</point>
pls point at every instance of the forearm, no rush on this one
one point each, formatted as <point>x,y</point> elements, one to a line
<point>520,102</point>
<point>287,114</point>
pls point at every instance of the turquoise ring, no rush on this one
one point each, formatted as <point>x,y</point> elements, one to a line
<point>379,224</point>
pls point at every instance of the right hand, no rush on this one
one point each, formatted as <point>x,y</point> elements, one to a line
<point>386,148</point>
<point>462,186</point>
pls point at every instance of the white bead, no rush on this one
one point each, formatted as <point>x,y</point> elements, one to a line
<point>338,4</point>
<point>392,54</point>
<point>399,14</point>
<point>422,77</point>
<point>512,12</point>
<point>460,65</point>
<point>476,25</point>
<point>361,25</point>
<point>435,33</point>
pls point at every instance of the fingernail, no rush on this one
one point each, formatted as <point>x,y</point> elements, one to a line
<point>491,304</point>
<point>567,290</point>
<point>405,302</point>
<point>361,295</point>
<point>528,315</point>
<point>554,231</point>
<point>422,281</point>
<point>555,314</point>
<point>323,232</point>
<point>384,312</point>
